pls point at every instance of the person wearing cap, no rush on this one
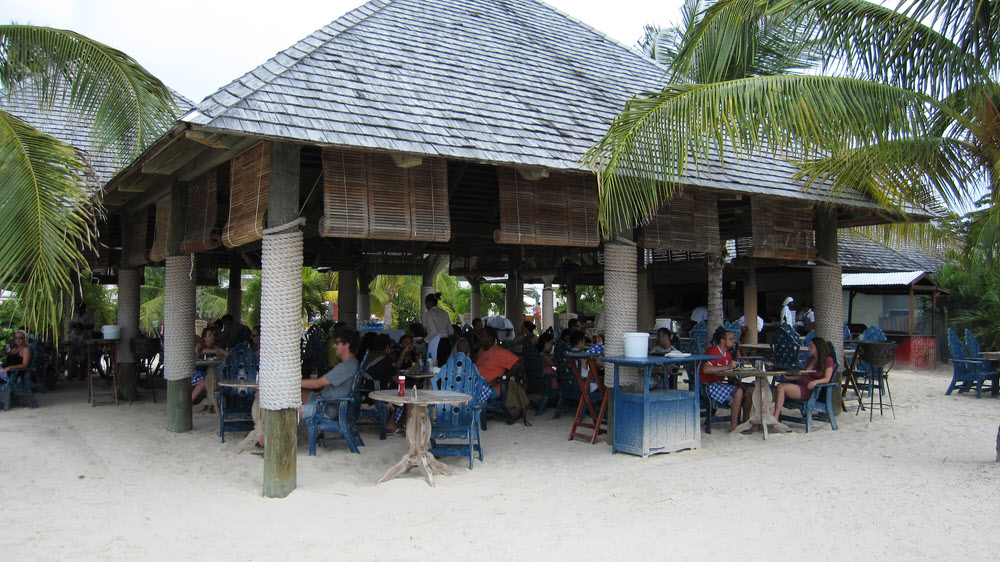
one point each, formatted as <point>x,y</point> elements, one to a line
<point>787,316</point>
<point>525,336</point>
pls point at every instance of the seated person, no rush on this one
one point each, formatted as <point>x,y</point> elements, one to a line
<point>406,355</point>
<point>18,358</point>
<point>801,386</point>
<point>546,342</point>
<point>577,344</point>
<point>204,349</point>
<point>338,382</point>
<point>723,391</point>
<point>462,346</point>
<point>380,369</point>
<point>525,335</point>
<point>494,362</point>
<point>664,343</point>
<point>255,341</point>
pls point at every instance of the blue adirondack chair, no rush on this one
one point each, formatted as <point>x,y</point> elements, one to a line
<point>785,348</point>
<point>313,352</point>
<point>697,338</point>
<point>236,404</point>
<point>345,422</point>
<point>847,333</point>
<point>18,385</point>
<point>821,400</point>
<point>992,375</point>
<point>863,372</point>
<point>569,390</point>
<point>458,421</point>
<point>966,372</point>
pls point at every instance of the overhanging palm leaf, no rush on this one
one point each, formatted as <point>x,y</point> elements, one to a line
<point>661,136</point>
<point>43,217</point>
<point>45,209</point>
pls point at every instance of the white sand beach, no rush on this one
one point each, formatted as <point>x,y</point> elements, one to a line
<point>111,483</point>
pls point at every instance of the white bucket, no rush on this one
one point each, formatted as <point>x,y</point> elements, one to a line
<point>111,332</point>
<point>662,323</point>
<point>636,344</point>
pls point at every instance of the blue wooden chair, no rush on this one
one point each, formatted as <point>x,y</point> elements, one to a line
<point>820,403</point>
<point>992,375</point>
<point>344,422</point>
<point>569,390</point>
<point>804,355</point>
<point>18,385</point>
<point>697,338</point>
<point>461,421</point>
<point>847,333</point>
<point>966,372</point>
<point>785,348</point>
<point>236,404</point>
<point>538,382</point>
<point>313,352</point>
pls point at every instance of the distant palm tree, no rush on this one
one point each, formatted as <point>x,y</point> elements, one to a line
<point>47,205</point>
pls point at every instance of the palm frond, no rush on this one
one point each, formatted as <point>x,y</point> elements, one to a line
<point>44,215</point>
<point>652,144</point>
<point>129,107</point>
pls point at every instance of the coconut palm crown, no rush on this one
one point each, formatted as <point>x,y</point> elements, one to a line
<point>905,110</point>
<point>48,199</point>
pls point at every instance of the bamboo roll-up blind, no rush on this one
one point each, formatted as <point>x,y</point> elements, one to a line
<point>248,196</point>
<point>135,233</point>
<point>367,196</point>
<point>782,229</point>
<point>560,210</point>
<point>202,215</point>
<point>688,222</point>
<point>161,236</point>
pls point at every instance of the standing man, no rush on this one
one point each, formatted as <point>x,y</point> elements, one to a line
<point>787,316</point>
<point>723,391</point>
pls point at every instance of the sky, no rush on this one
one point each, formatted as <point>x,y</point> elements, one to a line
<point>199,46</point>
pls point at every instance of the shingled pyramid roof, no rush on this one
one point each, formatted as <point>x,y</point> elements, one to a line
<point>63,122</point>
<point>512,82</point>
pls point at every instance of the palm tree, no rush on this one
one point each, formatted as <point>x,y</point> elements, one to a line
<point>906,112</point>
<point>48,207</point>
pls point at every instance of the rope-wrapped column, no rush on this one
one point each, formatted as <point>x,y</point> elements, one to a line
<point>128,321</point>
<point>280,376</point>
<point>548,305</point>
<point>715,316</point>
<point>828,304</point>
<point>178,338</point>
<point>620,301</point>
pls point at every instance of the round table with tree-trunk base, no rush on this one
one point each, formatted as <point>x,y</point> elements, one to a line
<point>761,402</point>
<point>418,429</point>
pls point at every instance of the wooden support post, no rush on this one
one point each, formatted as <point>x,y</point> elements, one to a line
<point>828,292</point>
<point>279,454</point>
<point>280,440</point>
<point>750,306</point>
<point>179,404</point>
<point>180,303</point>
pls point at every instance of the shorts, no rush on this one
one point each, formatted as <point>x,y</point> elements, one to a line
<point>721,392</point>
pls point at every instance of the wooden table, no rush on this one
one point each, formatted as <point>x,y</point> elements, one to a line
<point>599,422</point>
<point>106,347</point>
<point>656,421</point>
<point>990,355</point>
<point>258,428</point>
<point>418,429</point>
<point>211,380</point>
<point>760,404</point>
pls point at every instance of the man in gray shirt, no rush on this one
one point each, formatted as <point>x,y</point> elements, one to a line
<point>339,381</point>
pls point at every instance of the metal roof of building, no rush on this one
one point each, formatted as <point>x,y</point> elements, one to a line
<point>860,253</point>
<point>512,82</point>
<point>880,279</point>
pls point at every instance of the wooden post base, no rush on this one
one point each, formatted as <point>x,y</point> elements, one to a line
<point>179,405</point>
<point>418,435</point>
<point>280,441</point>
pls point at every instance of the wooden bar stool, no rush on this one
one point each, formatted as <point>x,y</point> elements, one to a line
<point>599,418</point>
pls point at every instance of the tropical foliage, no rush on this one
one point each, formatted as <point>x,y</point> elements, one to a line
<point>904,111</point>
<point>973,276</point>
<point>47,212</point>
